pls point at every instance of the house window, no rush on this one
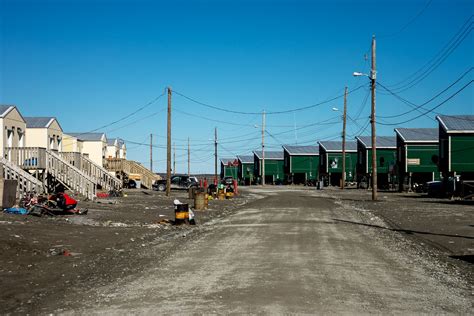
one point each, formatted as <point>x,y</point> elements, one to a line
<point>10,138</point>
<point>21,138</point>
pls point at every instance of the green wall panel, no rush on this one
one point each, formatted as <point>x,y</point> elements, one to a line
<point>462,153</point>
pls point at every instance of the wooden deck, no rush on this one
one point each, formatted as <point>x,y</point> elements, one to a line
<point>129,167</point>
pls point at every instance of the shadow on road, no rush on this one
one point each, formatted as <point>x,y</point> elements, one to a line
<point>406,231</point>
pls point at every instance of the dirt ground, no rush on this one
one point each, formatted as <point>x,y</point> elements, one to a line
<point>446,226</point>
<point>100,247</point>
<point>120,237</point>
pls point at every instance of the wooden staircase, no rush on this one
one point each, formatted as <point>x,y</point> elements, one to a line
<point>48,163</point>
<point>99,174</point>
<point>132,167</point>
<point>26,182</point>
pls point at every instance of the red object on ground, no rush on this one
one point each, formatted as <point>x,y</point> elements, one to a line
<point>102,195</point>
<point>236,189</point>
<point>69,200</point>
<point>215,181</point>
<point>205,183</point>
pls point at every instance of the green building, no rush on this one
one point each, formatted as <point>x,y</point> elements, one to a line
<point>229,167</point>
<point>386,160</point>
<point>330,166</point>
<point>245,170</point>
<point>417,152</point>
<point>456,146</point>
<point>274,171</point>
<point>300,163</point>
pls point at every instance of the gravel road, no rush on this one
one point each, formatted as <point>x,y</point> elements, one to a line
<point>293,251</point>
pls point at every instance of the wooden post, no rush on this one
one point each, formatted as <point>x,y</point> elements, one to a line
<point>189,160</point>
<point>215,155</point>
<point>151,152</point>
<point>174,158</point>
<point>168,147</point>
<point>344,141</point>
<point>372,120</point>
<point>263,148</point>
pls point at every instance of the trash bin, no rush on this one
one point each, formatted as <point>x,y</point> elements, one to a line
<point>320,185</point>
<point>181,213</point>
<point>199,201</point>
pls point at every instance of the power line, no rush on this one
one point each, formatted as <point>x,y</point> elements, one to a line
<point>437,60</point>
<point>409,22</point>
<point>413,105</point>
<point>126,116</point>
<point>227,109</point>
<point>432,109</point>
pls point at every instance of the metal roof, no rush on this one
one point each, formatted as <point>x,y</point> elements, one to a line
<point>336,146</point>
<point>38,122</point>
<point>457,123</point>
<point>226,161</point>
<point>4,109</point>
<point>87,137</point>
<point>245,159</point>
<point>418,134</point>
<point>301,150</point>
<point>275,155</point>
<point>382,141</point>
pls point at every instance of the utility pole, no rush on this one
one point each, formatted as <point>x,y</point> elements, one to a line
<point>189,160</point>
<point>168,147</point>
<point>151,152</point>
<point>263,148</point>
<point>215,155</point>
<point>373,77</point>
<point>174,158</point>
<point>343,182</point>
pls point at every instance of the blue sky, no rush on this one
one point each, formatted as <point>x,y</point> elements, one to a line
<point>90,63</point>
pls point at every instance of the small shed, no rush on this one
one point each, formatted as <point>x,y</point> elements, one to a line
<point>274,169</point>
<point>229,167</point>
<point>13,127</point>
<point>300,163</point>
<point>245,169</point>
<point>330,167</point>
<point>44,132</point>
<point>386,160</point>
<point>456,145</point>
<point>417,152</point>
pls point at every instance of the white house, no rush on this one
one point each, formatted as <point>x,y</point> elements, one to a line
<point>122,149</point>
<point>116,148</point>
<point>93,144</point>
<point>113,150</point>
<point>13,126</point>
<point>44,132</point>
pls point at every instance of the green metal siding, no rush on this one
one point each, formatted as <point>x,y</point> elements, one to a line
<point>230,171</point>
<point>247,170</point>
<point>389,160</point>
<point>305,164</point>
<point>462,153</point>
<point>274,168</point>
<point>424,153</point>
<point>334,164</point>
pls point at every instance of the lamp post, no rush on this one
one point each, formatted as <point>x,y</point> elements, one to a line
<point>372,78</point>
